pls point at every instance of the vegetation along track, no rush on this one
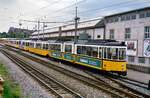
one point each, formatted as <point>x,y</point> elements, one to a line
<point>58,89</point>
<point>114,91</point>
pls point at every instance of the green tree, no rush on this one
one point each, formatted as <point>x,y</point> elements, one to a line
<point>3,35</point>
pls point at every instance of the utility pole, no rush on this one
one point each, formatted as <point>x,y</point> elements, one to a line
<point>104,35</point>
<point>38,28</point>
<point>59,37</point>
<point>20,31</point>
<point>76,25</point>
<point>43,29</point>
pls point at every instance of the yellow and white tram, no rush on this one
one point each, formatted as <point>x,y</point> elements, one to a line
<point>105,55</point>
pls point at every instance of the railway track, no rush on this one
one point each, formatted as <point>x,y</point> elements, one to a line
<point>132,81</point>
<point>57,88</point>
<point>123,83</point>
<point>113,91</point>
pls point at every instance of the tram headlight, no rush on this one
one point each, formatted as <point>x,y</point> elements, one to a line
<point>122,66</point>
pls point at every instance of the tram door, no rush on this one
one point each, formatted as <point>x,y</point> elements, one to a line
<point>68,51</point>
<point>55,50</point>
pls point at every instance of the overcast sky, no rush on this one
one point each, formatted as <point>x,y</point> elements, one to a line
<point>11,11</point>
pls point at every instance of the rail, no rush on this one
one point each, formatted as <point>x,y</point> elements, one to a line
<point>114,91</point>
<point>51,84</point>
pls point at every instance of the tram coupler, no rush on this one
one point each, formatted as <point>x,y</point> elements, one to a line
<point>149,85</point>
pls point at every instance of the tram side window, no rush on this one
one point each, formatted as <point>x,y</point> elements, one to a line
<point>49,46</point>
<point>100,52</point>
<point>84,50</point>
<point>55,47</point>
<point>115,53</point>
<point>52,47</point>
<point>122,54</point>
<point>58,47</point>
<point>79,49</point>
<point>38,45</point>
<point>31,44</point>
<point>68,48</point>
<point>94,51</point>
<point>105,53</point>
<point>45,46</point>
<point>109,53</point>
<point>87,50</point>
<point>19,42</point>
<point>27,43</point>
<point>23,43</point>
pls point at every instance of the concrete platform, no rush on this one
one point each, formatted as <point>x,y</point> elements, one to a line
<point>140,68</point>
<point>140,76</point>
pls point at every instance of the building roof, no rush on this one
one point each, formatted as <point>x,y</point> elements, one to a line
<point>127,12</point>
<point>18,30</point>
<point>81,25</point>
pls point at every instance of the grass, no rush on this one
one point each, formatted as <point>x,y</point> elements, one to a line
<point>11,89</point>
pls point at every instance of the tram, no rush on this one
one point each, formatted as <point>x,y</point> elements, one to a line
<point>104,55</point>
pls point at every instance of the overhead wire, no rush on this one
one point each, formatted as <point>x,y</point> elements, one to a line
<point>127,3</point>
<point>103,15</point>
<point>120,4</point>
<point>62,9</point>
<point>102,8</point>
<point>44,7</point>
<point>97,9</point>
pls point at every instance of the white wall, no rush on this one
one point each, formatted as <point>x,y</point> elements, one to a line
<point>92,32</point>
<point>137,31</point>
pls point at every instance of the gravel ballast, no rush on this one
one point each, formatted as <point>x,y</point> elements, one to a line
<point>30,88</point>
<point>78,86</point>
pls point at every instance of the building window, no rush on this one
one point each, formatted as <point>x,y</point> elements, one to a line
<point>131,58</point>
<point>98,36</point>
<point>116,19</point>
<point>141,60</point>
<point>133,16</point>
<point>122,18</point>
<point>113,19</point>
<point>111,36</point>
<point>128,17</point>
<point>148,14</point>
<point>107,21</point>
<point>142,15</point>
<point>147,32</point>
<point>127,33</point>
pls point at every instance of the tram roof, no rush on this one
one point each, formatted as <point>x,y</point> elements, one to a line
<point>100,42</point>
<point>106,42</point>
